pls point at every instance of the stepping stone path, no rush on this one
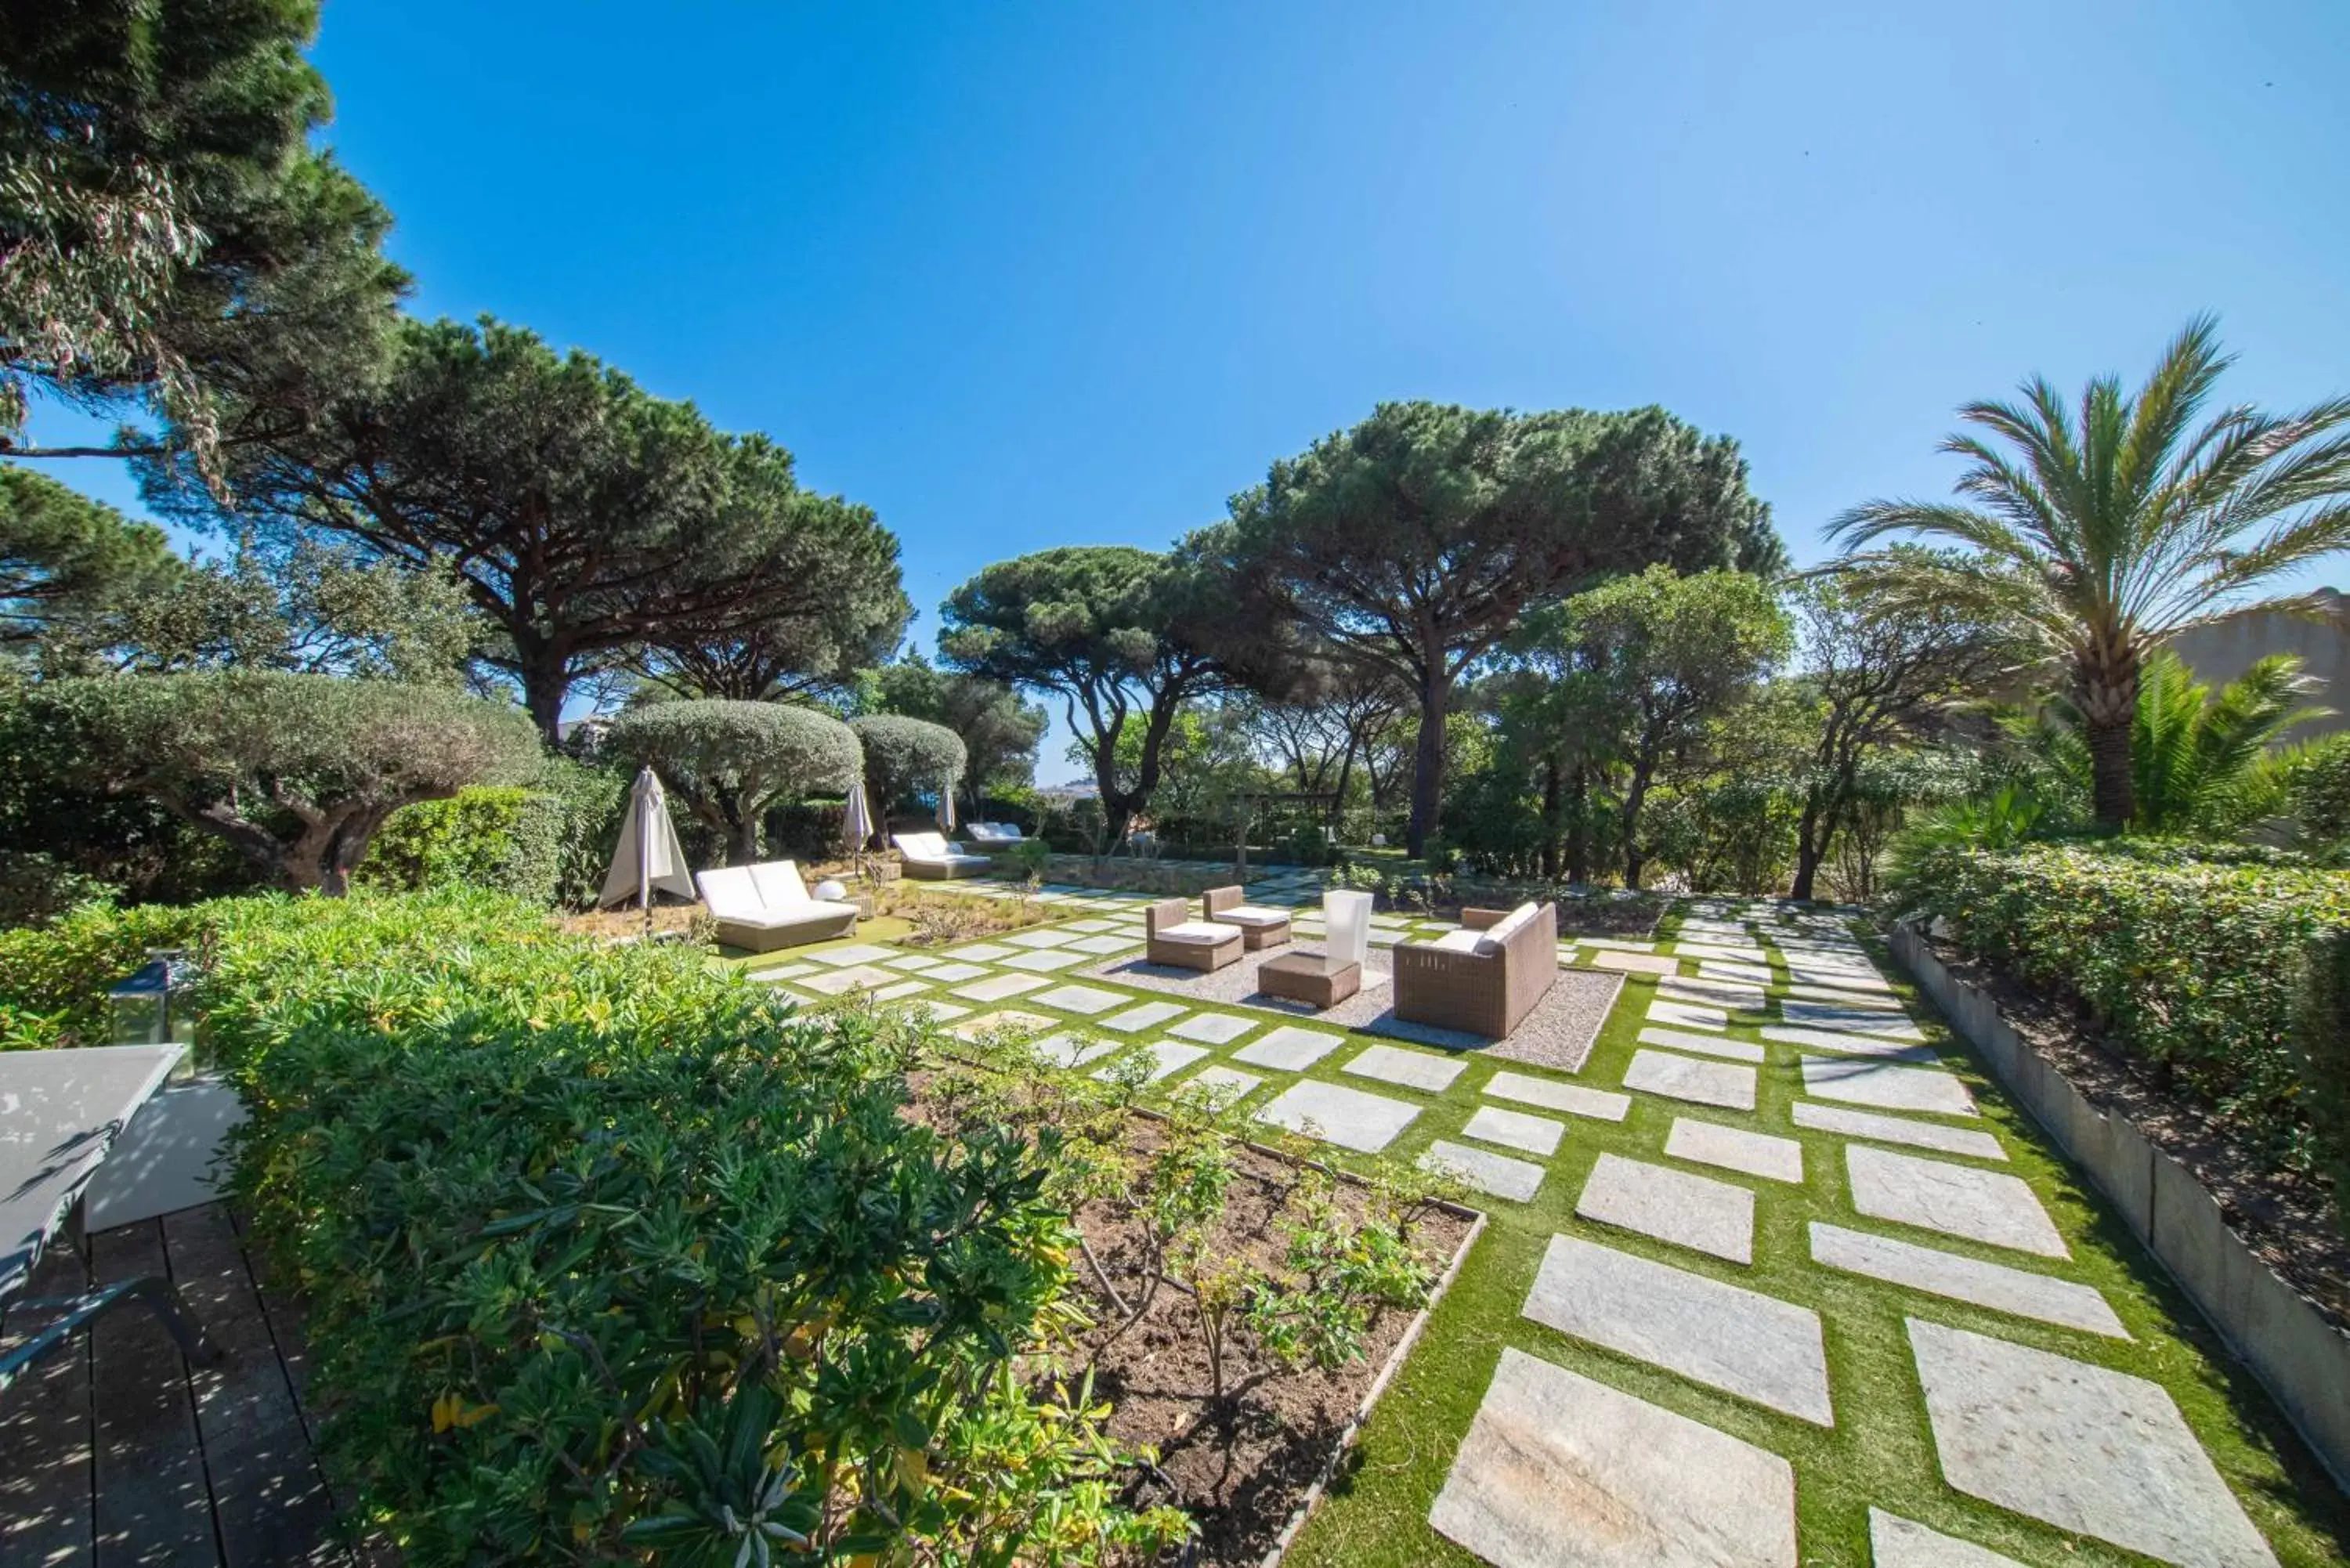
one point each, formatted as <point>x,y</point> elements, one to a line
<point>1688,1015</point>
<point>1851,1020</point>
<point>1725,1336</point>
<point>996,987</point>
<point>1099,946</point>
<point>1735,1149</point>
<point>1599,1105</point>
<point>1897,1129</point>
<point>1561,1471</point>
<point>1718,950</point>
<point>1083,999</point>
<point>1887,1086</point>
<point>863,977</point>
<point>1039,939</point>
<point>2083,1448</point>
<point>1149,1016</point>
<point>1701,1083</point>
<point>1972,1280</point>
<point>1693,1211</point>
<point>1335,1114</point>
<point>1044,960</point>
<point>1720,1046</point>
<point>1515,1129</point>
<point>1516,1180</point>
<point>1987,1206</point>
<point>1736,974</point>
<point>1637,963</point>
<point>1853,1044</point>
<point>855,953</point>
<point>1897,1542</point>
<point>1712,993</point>
<point>1288,1049</point>
<point>1215,1028</point>
<point>1392,1065</point>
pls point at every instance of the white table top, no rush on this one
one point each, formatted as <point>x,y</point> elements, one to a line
<point>61,1112</point>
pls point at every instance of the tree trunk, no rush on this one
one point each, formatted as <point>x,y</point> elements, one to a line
<point>1811,845</point>
<point>1578,830</point>
<point>1550,807</point>
<point>1637,797</point>
<point>2105,688</point>
<point>743,838</point>
<point>1428,757</point>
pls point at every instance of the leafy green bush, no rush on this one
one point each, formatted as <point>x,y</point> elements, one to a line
<point>2322,1034</point>
<point>2190,963</point>
<point>2320,793</point>
<point>608,1255</point>
<point>54,978</point>
<point>503,838</point>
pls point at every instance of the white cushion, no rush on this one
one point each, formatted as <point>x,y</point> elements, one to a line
<point>791,916</point>
<point>779,883</point>
<point>994,832</point>
<point>922,846</point>
<point>1461,943</point>
<point>730,892</point>
<point>1251,915</point>
<point>1509,925</point>
<point>1197,931</point>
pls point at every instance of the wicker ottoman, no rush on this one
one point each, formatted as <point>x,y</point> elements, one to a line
<point>1310,978</point>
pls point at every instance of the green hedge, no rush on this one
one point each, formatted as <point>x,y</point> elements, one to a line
<point>2188,962</point>
<point>504,839</point>
<point>54,978</point>
<point>607,1256</point>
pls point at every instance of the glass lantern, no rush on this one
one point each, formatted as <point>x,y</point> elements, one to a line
<point>142,1004</point>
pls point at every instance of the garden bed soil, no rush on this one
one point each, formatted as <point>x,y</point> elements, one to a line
<point>2286,1221</point>
<point>1244,1471</point>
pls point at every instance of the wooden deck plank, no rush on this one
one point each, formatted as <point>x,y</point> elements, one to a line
<point>269,1498</point>
<point>153,1509</point>
<point>44,1440</point>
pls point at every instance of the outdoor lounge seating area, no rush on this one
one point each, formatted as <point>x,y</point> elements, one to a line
<point>929,856</point>
<point>766,906</point>
<point>1484,978</point>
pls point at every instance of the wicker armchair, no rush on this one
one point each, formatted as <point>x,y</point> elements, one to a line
<point>1175,937</point>
<point>1260,927</point>
<point>1476,983</point>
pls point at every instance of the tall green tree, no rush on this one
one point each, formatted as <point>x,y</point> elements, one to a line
<point>999,731</point>
<point>2099,532</point>
<point>1115,632</point>
<point>68,563</point>
<point>1415,540</point>
<point>583,516</point>
<point>1633,673</point>
<point>169,238</point>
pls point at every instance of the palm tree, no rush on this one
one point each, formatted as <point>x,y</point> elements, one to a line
<point>2100,534</point>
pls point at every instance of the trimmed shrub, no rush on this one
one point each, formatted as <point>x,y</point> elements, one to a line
<point>54,978</point>
<point>2322,1034</point>
<point>729,762</point>
<point>903,756</point>
<point>504,839</point>
<point>608,1257</point>
<point>2189,963</point>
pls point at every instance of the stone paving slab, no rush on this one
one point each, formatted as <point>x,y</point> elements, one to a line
<point>786,971</point>
<point>1720,1046</point>
<point>1392,1065</point>
<point>1655,1201</point>
<point>1516,1180</point>
<point>1637,963</point>
<point>1765,1155</point>
<point>2083,1448</point>
<point>1897,1129</point>
<point>1083,1000</point>
<point>1289,1049</point>
<point>1005,1019</point>
<point>1227,1084</point>
<point>1515,1129</point>
<point>1887,1085</point>
<point>1101,945</point>
<point>1874,1045</point>
<point>1070,1051</point>
<point>1041,939</point>
<point>996,987</point>
<point>1149,1016</point>
<point>861,976</point>
<point>1044,960</point>
<point>1972,1280</point>
<point>899,992</point>
<point>915,964</point>
<point>1559,1471</point>
<point>1166,1056</point>
<point>1736,974</point>
<point>1725,1336</point>
<point>1852,1020</point>
<point>1215,1028</point>
<point>1723,1084</point>
<point>1335,1114</point>
<point>1613,944</point>
<point>1987,1206</point>
<point>1687,1015</point>
<point>1727,952</point>
<point>980,953</point>
<point>1712,993</point>
<point>1096,928</point>
<point>1886,1002</point>
<point>952,973</point>
<point>855,953</point>
<point>1897,1542</point>
<point>1599,1105</point>
<point>1829,975</point>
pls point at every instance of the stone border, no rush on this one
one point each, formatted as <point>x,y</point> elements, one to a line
<point>2299,1356</point>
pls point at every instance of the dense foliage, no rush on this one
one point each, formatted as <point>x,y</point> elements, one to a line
<point>500,837</point>
<point>66,560</point>
<point>2191,963</point>
<point>729,762</point>
<point>903,756</point>
<point>53,978</point>
<point>294,772</point>
<point>672,1269</point>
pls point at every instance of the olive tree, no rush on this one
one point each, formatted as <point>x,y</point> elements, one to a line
<point>730,760</point>
<point>903,754</point>
<point>296,772</point>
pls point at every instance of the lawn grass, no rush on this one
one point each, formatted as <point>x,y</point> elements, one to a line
<point>1880,1453</point>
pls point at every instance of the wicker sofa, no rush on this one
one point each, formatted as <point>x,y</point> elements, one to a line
<point>1484,978</point>
<point>1175,937</point>
<point>763,907</point>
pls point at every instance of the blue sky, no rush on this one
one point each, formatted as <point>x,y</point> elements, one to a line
<point>1021,276</point>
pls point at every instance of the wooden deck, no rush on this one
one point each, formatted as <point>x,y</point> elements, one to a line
<point>114,1450</point>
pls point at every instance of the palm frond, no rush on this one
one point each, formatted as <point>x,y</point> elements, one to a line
<point>1874,520</point>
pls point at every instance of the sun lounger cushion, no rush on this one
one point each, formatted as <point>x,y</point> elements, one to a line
<point>1251,915</point>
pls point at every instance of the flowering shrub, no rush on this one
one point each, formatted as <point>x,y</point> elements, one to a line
<point>2190,963</point>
